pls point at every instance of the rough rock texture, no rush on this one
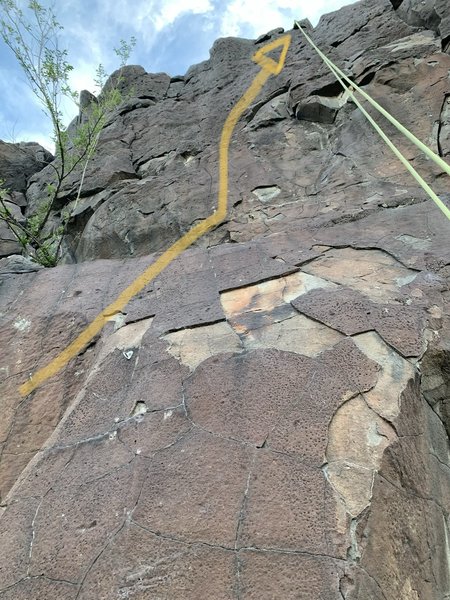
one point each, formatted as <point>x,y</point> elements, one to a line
<point>18,162</point>
<point>432,14</point>
<point>269,418</point>
<point>155,171</point>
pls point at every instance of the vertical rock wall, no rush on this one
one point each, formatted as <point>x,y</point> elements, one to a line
<point>269,417</point>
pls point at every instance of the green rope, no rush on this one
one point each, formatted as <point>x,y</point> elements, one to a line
<point>340,76</point>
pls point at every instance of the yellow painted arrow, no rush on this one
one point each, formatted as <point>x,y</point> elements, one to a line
<point>268,67</point>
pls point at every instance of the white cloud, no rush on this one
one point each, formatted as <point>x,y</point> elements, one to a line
<point>253,17</point>
<point>170,10</point>
<point>18,103</point>
<point>145,18</point>
<point>83,76</point>
<point>93,27</point>
<point>37,136</point>
<point>83,42</point>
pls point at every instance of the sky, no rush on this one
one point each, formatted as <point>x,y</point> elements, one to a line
<point>171,35</point>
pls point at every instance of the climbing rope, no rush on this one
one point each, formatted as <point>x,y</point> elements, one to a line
<point>342,77</point>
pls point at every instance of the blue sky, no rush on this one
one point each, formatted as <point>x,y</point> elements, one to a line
<point>171,35</point>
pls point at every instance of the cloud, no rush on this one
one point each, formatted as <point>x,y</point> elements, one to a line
<point>172,9</point>
<point>146,19</point>
<point>19,103</point>
<point>253,18</point>
<point>158,25</point>
<point>38,136</point>
<point>172,35</point>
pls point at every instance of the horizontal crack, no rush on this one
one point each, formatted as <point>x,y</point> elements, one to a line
<point>274,550</point>
<point>33,577</point>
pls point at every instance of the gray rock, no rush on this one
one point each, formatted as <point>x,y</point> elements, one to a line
<point>429,14</point>
<point>16,263</point>
<point>161,145</point>
<point>266,37</point>
<point>318,109</point>
<point>132,81</point>
<point>8,241</point>
<point>86,99</point>
<point>19,161</point>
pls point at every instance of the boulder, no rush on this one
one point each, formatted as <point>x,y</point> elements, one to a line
<point>427,14</point>
<point>18,162</point>
<point>8,241</point>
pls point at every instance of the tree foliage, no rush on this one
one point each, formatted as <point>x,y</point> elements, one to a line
<point>33,36</point>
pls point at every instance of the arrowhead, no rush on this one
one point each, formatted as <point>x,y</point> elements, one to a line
<point>268,64</point>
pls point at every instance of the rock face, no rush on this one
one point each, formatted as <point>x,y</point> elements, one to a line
<point>429,14</point>
<point>18,162</point>
<point>269,417</point>
<point>302,150</point>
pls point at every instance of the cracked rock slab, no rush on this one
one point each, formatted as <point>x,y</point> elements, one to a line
<point>350,313</point>
<point>75,522</point>
<point>193,346</point>
<point>285,505</point>
<point>194,490</point>
<point>269,395</point>
<point>38,588</point>
<point>357,438</point>
<point>140,563</point>
<point>214,442</point>
<point>16,530</point>
<point>298,576</point>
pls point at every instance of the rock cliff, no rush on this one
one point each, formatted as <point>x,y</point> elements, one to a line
<point>269,417</point>
<point>18,162</point>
